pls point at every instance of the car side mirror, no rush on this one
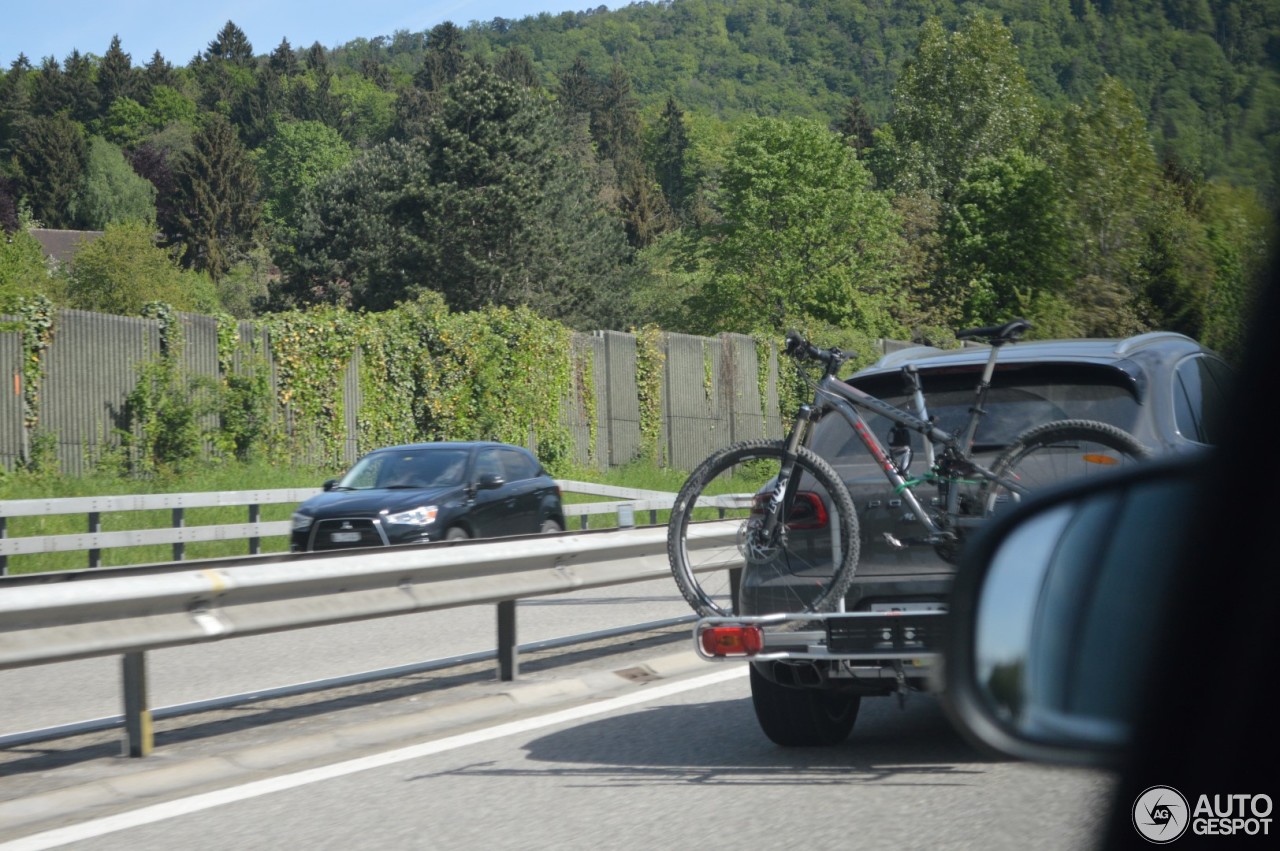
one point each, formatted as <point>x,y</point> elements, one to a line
<point>1057,610</point>
<point>490,481</point>
<point>329,483</point>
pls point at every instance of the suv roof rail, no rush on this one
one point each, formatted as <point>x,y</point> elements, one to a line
<point>901,356</point>
<point>1132,344</point>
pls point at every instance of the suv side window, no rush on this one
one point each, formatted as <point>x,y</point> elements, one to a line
<point>489,461</point>
<point>1200,396</point>
<point>518,465</point>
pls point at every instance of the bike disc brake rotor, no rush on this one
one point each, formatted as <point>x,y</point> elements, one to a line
<point>754,546</point>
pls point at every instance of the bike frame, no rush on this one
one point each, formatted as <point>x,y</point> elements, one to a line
<point>832,393</point>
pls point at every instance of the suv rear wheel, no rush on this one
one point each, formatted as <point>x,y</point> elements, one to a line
<point>802,717</point>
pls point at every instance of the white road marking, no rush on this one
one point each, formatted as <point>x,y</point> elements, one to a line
<point>196,803</point>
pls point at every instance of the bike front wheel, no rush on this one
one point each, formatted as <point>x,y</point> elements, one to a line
<point>723,568</point>
<point>1057,452</point>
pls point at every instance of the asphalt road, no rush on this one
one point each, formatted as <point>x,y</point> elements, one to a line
<point>49,695</point>
<point>674,763</point>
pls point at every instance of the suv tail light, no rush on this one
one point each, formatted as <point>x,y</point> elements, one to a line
<point>731,640</point>
<point>807,512</point>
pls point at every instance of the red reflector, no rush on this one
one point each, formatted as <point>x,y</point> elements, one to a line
<point>1094,458</point>
<point>732,640</point>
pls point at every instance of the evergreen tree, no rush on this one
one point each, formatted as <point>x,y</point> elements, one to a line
<point>444,60</point>
<point>671,149</point>
<point>282,61</point>
<point>218,211</point>
<point>487,207</point>
<point>158,72</point>
<point>578,93</point>
<point>78,74</point>
<point>855,125</point>
<point>51,154</point>
<point>115,74</point>
<point>230,45</point>
<point>515,65</point>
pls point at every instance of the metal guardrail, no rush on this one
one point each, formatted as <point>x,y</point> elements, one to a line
<point>625,502</point>
<point>216,599</point>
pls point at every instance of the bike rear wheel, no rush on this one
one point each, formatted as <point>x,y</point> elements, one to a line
<point>1056,452</point>
<point>808,568</point>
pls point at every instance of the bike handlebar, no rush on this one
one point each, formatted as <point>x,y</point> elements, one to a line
<point>801,349</point>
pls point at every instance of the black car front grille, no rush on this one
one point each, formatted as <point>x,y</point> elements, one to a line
<point>346,533</point>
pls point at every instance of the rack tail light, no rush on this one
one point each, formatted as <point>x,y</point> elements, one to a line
<point>731,640</point>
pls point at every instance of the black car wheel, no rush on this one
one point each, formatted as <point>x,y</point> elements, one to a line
<point>456,533</point>
<point>549,526</point>
<point>802,717</point>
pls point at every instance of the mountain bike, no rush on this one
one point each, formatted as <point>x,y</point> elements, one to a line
<point>781,516</point>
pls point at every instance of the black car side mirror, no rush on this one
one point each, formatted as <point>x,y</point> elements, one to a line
<point>329,483</point>
<point>1057,611</point>
<point>490,481</point>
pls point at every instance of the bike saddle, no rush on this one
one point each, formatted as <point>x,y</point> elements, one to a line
<point>997,335</point>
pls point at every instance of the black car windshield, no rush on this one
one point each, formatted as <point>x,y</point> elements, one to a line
<point>407,468</point>
<point>1018,399</point>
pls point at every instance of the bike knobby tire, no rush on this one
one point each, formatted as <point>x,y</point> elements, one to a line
<point>808,569</point>
<point>1054,452</point>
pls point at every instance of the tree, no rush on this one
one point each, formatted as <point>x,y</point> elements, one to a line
<point>297,156</point>
<point>112,191</point>
<point>805,239</point>
<point>670,157</point>
<point>158,71</point>
<point>217,211</point>
<point>515,65</point>
<point>1108,166</point>
<point>487,207</point>
<point>962,97</point>
<point>230,45</point>
<point>115,74</point>
<point>51,154</point>
<point>123,270</point>
<point>855,125</point>
<point>444,59</point>
<point>1004,240</point>
<point>578,93</point>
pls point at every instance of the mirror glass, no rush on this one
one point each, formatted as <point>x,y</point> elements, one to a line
<point>1067,615</point>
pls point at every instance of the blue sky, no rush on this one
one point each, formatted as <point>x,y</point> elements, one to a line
<point>181,30</point>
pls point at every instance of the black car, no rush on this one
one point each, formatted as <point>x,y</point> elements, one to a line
<point>431,492</point>
<point>1164,389</point>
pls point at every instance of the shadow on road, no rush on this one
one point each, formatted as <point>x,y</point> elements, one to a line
<point>720,743</point>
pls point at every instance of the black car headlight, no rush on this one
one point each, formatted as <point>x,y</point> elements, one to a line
<point>301,522</point>
<point>423,515</point>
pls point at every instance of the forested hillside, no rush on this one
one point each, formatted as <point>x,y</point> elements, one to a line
<point>857,168</point>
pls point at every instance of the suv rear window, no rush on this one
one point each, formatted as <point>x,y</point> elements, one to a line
<point>1020,397</point>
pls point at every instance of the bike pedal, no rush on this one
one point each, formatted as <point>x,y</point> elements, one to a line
<point>893,542</point>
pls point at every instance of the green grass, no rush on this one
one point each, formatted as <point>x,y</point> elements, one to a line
<point>219,477</point>
<point>229,477</point>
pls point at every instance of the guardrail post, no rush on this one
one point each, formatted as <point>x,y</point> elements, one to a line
<point>139,737</point>
<point>255,516</point>
<point>626,516</point>
<point>4,560</point>
<point>95,526</point>
<point>179,549</point>
<point>508,653</point>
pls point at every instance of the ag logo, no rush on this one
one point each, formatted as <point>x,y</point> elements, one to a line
<point>1161,814</point>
